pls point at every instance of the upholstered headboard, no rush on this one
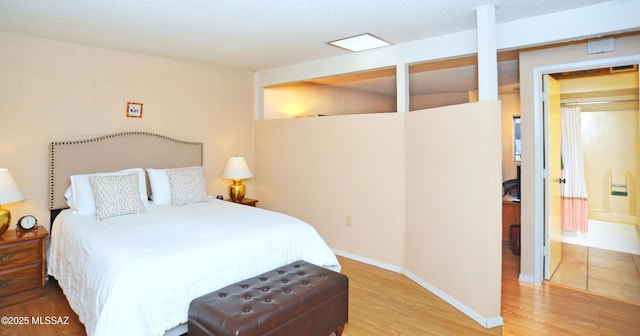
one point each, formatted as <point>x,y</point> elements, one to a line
<point>115,152</point>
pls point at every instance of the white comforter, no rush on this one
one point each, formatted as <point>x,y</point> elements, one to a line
<point>137,274</point>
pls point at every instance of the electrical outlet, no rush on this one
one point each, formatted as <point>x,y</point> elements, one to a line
<point>348,220</point>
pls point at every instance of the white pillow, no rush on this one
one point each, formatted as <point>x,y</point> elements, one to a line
<point>187,185</point>
<point>160,187</point>
<point>69,195</point>
<point>82,193</point>
<point>116,195</point>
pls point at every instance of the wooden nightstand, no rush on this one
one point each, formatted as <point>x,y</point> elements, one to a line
<point>22,265</point>
<point>246,201</point>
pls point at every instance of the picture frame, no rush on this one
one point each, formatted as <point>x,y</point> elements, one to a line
<point>134,110</point>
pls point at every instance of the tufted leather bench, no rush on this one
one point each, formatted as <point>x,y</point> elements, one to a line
<point>296,299</point>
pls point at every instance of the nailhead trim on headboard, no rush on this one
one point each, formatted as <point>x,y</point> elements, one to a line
<point>52,147</point>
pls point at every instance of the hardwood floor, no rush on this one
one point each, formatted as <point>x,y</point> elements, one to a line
<point>605,272</point>
<point>548,309</point>
<point>387,303</point>
<point>52,304</point>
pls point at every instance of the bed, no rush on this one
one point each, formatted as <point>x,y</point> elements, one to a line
<point>134,272</point>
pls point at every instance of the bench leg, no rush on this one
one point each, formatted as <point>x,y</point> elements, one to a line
<point>339,331</point>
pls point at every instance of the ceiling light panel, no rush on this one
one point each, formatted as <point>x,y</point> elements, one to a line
<point>360,43</point>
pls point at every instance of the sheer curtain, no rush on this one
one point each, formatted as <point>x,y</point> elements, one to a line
<point>575,208</point>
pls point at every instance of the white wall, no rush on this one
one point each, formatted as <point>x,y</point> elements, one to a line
<point>453,205</point>
<point>52,91</point>
<point>416,185</point>
<point>324,169</point>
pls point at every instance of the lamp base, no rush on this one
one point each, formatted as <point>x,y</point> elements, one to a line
<point>237,190</point>
<point>5,220</point>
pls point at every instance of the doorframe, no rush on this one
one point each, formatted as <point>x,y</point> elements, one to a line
<point>540,174</point>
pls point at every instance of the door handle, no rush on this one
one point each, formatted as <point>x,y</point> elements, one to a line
<point>561,180</point>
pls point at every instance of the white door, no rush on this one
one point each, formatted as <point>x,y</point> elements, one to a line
<point>553,215</point>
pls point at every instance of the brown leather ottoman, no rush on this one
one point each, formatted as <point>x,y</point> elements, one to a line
<point>297,299</point>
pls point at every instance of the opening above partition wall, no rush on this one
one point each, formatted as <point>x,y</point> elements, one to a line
<point>355,93</point>
<point>455,81</point>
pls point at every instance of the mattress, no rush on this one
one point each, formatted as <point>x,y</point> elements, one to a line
<point>137,274</point>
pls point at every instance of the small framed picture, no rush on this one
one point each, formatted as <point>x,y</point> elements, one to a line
<point>134,110</point>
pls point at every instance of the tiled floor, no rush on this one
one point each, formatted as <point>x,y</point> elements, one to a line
<point>606,272</point>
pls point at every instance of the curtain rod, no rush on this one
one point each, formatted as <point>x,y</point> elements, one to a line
<point>600,102</point>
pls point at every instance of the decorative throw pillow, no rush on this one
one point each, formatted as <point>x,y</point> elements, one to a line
<point>82,196</point>
<point>187,185</point>
<point>116,195</point>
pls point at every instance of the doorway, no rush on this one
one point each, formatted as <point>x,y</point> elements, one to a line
<point>542,172</point>
<point>600,251</point>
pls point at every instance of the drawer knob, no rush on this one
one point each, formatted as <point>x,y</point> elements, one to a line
<point>5,256</point>
<point>5,283</point>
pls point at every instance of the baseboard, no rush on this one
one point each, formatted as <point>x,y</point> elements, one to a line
<point>485,322</point>
<point>368,261</point>
<point>494,322</point>
<point>526,278</point>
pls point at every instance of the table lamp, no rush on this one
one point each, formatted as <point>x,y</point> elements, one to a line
<point>9,193</point>
<point>236,170</point>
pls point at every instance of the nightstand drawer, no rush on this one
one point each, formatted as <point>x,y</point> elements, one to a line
<point>22,263</point>
<point>22,253</point>
<point>20,279</point>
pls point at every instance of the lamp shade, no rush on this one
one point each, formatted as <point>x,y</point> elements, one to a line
<point>236,169</point>
<point>9,190</point>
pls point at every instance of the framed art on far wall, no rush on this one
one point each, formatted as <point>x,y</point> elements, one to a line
<point>134,110</point>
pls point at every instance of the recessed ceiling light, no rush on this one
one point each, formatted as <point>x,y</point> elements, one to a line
<point>360,43</point>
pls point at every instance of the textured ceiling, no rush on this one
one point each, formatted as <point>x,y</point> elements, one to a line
<point>252,34</point>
